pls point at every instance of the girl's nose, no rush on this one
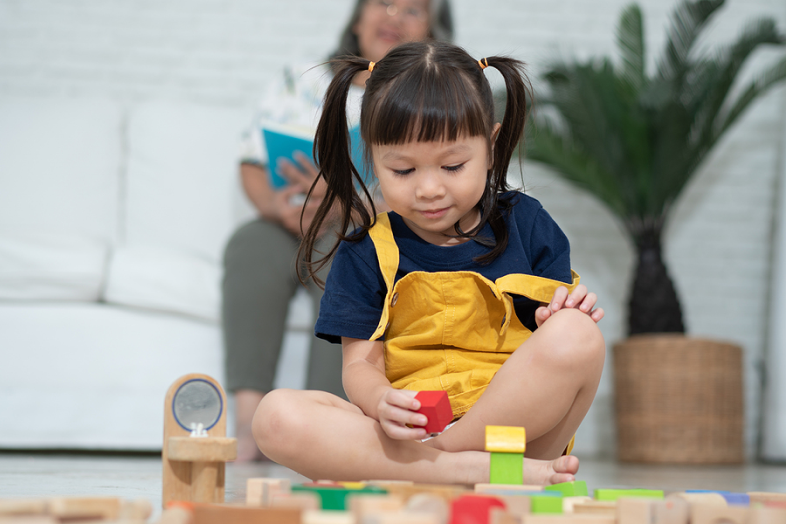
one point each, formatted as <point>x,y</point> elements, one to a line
<point>430,187</point>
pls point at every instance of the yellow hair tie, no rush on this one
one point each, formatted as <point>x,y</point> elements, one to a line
<point>482,65</point>
<point>370,66</point>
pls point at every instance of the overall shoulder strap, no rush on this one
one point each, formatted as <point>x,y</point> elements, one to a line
<point>387,255</point>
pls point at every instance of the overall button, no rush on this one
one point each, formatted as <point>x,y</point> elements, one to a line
<point>394,299</point>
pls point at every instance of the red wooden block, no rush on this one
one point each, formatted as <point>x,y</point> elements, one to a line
<point>436,406</point>
<point>473,509</point>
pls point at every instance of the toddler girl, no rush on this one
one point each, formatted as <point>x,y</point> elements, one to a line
<point>464,286</point>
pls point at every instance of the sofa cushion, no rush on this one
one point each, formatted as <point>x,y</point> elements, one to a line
<point>60,165</point>
<point>48,266</point>
<point>183,184</point>
<point>162,279</point>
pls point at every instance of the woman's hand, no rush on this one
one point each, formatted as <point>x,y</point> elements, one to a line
<point>580,299</point>
<point>290,200</point>
<point>396,409</point>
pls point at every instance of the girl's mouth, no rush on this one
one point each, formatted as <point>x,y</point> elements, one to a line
<point>434,213</point>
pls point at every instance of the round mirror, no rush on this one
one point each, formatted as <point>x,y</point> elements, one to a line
<point>197,402</point>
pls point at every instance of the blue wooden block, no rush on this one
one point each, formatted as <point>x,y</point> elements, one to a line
<point>735,499</point>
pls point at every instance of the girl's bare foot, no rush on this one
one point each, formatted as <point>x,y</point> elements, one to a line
<point>547,472</point>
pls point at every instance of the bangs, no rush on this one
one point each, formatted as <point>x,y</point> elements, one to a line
<point>427,103</point>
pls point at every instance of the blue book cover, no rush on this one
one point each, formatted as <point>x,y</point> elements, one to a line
<point>284,142</point>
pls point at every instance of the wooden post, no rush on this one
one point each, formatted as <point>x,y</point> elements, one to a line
<point>193,467</point>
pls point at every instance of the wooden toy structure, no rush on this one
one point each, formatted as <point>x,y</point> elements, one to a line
<point>194,489</point>
<point>195,447</point>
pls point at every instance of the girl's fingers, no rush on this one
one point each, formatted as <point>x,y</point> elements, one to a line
<point>577,296</point>
<point>559,298</point>
<point>597,315</point>
<point>398,432</point>
<point>589,302</point>
<point>541,315</point>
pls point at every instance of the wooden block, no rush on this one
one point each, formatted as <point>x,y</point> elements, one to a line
<point>401,517</point>
<point>23,507</point>
<point>500,516</point>
<point>545,503</point>
<point>517,505</point>
<point>634,511</point>
<point>569,519</point>
<point>206,449</point>
<point>304,501</point>
<point>568,503</point>
<point>233,514</point>
<point>739,499</point>
<point>473,509</point>
<point>506,439</point>
<point>577,488</point>
<point>596,507</point>
<point>713,514</point>
<point>671,510</point>
<point>408,490</point>
<point>506,468</point>
<point>176,515</point>
<point>614,494</point>
<point>105,508</point>
<point>755,496</point>
<point>333,498</point>
<point>767,515</point>
<point>328,517</point>
<point>259,490</point>
<point>139,509</point>
<point>28,519</point>
<point>483,488</point>
<point>361,505</point>
<point>707,499</point>
<point>436,406</point>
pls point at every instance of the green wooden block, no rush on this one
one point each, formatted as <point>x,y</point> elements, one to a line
<point>577,488</point>
<point>335,498</point>
<point>614,494</point>
<point>506,468</point>
<point>545,504</point>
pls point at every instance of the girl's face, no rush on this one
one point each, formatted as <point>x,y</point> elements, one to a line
<point>384,24</point>
<point>433,185</point>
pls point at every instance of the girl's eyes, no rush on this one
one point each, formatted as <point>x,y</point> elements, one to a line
<point>450,169</point>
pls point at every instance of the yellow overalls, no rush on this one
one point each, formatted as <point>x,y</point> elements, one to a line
<point>450,330</point>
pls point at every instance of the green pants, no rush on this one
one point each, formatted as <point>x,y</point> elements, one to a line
<point>259,281</point>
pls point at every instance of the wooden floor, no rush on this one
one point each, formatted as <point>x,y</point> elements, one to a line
<point>132,477</point>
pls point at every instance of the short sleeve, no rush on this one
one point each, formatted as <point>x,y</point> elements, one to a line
<point>549,249</point>
<point>295,99</point>
<point>354,294</point>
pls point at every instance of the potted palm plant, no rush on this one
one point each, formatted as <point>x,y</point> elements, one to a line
<point>634,140</point>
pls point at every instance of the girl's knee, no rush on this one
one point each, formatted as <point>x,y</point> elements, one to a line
<point>274,419</point>
<point>577,338</point>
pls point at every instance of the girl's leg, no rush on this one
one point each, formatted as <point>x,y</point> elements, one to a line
<point>547,386</point>
<point>324,437</point>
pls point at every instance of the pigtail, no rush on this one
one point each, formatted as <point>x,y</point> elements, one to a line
<point>341,205</point>
<point>518,90</point>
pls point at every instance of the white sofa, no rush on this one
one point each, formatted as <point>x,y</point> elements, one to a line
<point>113,219</point>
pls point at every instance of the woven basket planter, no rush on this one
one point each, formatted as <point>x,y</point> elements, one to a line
<point>678,400</point>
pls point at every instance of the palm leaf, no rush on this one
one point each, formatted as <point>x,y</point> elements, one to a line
<point>630,41</point>
<point>687,23</point>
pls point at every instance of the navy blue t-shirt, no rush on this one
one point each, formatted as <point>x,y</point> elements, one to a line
<point>355,290</point>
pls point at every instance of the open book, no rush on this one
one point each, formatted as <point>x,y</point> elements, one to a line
<point>283,141</point>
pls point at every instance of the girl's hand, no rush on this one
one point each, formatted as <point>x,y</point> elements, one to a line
<point>580,299</point>
<point>397,409</point>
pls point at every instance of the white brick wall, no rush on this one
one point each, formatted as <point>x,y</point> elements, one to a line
<point>224,52</point>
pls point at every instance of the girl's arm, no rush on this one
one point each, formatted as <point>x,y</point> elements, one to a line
<point>368,388</point>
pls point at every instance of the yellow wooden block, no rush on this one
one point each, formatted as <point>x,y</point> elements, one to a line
<point>505,439</point>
